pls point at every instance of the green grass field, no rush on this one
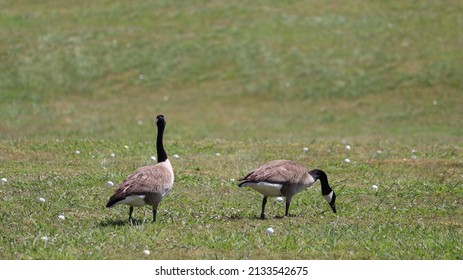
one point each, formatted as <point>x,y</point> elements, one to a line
<point>240,83</point>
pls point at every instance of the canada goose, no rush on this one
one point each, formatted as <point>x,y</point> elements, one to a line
<point>286,178</point>
<point>148,184</point>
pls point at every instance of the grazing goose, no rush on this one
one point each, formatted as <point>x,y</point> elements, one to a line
<point>286,178</point>
<point>148,184</point>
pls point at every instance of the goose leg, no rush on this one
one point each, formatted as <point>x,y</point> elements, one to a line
<point>264,201</point>
<point>130,214</point>
<point>287,208</point>
<point>155,211</point>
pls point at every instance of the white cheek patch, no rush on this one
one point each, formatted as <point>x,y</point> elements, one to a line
<point>328,197</point>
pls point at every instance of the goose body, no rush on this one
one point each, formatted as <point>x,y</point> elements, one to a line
<point>286,178</point>
<point>148,184</point>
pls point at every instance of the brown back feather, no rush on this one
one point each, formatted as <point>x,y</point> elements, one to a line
<point>144,180</point>
<point>279,171</point>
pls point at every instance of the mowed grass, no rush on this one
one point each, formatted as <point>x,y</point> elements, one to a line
<point>240,83</point>
<point>414,214</point>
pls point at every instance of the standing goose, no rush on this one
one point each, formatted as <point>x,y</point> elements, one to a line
<point>286,178</point>
<point>148,184</point>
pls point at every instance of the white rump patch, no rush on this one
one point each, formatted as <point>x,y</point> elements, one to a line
<point>133,200</point>
<point>265,188</point>
<point>328,197</point>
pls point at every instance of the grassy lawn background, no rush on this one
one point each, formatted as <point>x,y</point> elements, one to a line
<point>240,83</point>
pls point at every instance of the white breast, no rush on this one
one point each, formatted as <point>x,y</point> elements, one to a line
<point>133,200</point>
<point>265,188</point>
<point>169,168</point>
<point>298,188</point>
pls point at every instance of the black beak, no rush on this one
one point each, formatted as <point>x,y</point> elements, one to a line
<point>333,207</point>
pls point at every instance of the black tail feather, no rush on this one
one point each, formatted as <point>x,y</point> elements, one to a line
<point>113,201</point>
<point>241,184</point>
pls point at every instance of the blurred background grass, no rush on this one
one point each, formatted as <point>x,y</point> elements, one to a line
<point>292,71</point>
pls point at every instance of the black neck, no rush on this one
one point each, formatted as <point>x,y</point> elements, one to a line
<point>327,192</point>
<point>162,156</point>
<point>318,174</point>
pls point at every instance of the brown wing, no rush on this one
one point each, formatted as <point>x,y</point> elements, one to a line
<point>146,179</point>
<point>278,171</point>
